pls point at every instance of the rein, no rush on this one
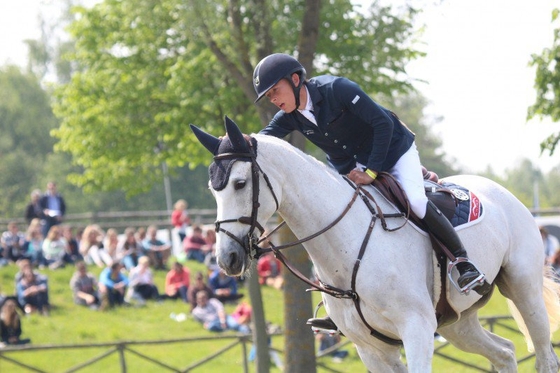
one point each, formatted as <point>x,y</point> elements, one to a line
<point>250,244</point>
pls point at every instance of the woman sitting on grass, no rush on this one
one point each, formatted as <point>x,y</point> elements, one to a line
<point>10,323</point>
<point>141,283</point>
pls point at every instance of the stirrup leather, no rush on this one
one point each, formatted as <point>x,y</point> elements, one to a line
<point>465,290</point>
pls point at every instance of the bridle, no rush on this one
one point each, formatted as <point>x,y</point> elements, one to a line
<point>250,244</point>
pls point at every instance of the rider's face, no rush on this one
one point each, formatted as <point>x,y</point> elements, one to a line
<point>282,95</point>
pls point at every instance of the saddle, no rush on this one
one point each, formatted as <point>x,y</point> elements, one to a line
<point>446,201</point>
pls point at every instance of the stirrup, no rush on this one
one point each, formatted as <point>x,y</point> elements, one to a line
<point>318,330</point>
<point>465,290</point>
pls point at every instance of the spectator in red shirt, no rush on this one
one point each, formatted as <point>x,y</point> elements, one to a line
<point>269,270</point>
<point>177,282</point>
<point>195,245</point>
<point>180,218</point>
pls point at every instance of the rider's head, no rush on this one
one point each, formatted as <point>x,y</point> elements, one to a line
<point>272,69</point>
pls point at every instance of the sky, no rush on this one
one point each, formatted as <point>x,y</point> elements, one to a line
<point>476,69</point>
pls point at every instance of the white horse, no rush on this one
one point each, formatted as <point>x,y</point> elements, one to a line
<point>395,283</point>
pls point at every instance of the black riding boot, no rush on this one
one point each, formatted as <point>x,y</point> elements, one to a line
<point>440,226</point>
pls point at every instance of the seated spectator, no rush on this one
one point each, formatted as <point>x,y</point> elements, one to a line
<point>195,245</point>
<point>177,282</point>
<point>141,282</point>
<point>269,270</point>
<point>10,322</point>
<point>111,244</point>
<point>91,247</point>
<point>130,249</point>
<point>33,292</point>
<point>243,314</point>
<point>211,314</point>
<point>223,286</point>
<point>84,287</point>
<point>12,242</point>
<point>72,246</point>
<point>33,245</point>
<point>327,340</point>
<point>141,236</point>
<point>210,261</point>
<point>54,248</point>
<point>112,286</point>
<point>23,264</point>
<point>198,285</point>
<point>157,250</point>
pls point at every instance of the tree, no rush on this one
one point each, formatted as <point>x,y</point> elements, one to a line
<point>25,122</point>
<point>547,85</point>
<point>146,68</point>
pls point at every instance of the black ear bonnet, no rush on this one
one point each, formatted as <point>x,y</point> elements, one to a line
<point>220,169</point>
<point>227,150</point>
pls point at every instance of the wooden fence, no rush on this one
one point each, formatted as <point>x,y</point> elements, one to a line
<point>125,351</point>
<point>122,219</point>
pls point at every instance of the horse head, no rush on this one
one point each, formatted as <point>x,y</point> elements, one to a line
<point>235,184</point>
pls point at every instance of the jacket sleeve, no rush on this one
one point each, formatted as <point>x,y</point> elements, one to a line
<point>278,127</point>
<point>361,105</point>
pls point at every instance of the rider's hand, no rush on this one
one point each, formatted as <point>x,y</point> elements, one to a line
<point>360,177</point>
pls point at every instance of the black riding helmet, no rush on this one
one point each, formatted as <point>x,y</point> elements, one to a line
<point>274,68</point>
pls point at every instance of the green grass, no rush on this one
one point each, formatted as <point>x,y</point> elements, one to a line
<point>70,324</point>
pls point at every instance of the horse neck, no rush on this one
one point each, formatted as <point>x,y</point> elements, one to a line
<point>312,195</point>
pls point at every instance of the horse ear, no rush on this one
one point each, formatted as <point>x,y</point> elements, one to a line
<point>235,135</point>
<point>210,142</point>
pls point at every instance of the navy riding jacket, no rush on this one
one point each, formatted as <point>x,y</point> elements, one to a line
<point>351,127</point>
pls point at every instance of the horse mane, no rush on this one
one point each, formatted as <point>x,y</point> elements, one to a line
<point>275,141</point>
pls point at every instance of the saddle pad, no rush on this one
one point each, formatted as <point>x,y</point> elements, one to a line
<point>469,209</point>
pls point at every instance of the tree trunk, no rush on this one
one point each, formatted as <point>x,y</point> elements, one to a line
<point>260,337</point>
<point>299,340</point>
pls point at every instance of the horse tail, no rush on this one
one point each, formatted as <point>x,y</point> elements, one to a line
<point>551,295</point>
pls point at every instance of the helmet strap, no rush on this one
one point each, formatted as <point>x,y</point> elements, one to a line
<point>296,89</point>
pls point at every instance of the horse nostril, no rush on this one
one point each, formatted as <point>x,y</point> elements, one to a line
<point>232,260</point>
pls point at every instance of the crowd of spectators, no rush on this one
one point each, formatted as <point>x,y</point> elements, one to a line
<point>125,263</point>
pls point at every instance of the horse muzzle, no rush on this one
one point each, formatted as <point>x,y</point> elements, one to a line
<point>233,258</point>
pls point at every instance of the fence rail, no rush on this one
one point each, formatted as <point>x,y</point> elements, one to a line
<point>123,219</point>
<point>125,350</point>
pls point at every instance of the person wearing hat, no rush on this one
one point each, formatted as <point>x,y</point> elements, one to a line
<point>360,138</point>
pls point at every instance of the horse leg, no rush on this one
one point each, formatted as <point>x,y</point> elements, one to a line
<point>468,335</point>
<point>387,360</point>
<point>525,290</point>
<point>417,335</point>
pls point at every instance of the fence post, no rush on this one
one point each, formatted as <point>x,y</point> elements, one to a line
<point>122,360</point>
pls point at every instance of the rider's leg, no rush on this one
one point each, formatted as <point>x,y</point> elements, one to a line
<point>440,226</point>
<point>408,172</point>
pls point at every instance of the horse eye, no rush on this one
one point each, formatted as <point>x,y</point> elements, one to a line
<point>239,184</point>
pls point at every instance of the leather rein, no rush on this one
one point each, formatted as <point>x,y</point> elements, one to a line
<point>250,242</point>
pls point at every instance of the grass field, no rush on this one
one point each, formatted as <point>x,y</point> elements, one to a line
<point>70,324</point>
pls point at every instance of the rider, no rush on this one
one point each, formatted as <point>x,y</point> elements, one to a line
<point>360,137</point>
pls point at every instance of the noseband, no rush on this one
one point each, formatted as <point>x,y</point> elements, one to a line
<point>250,244</point>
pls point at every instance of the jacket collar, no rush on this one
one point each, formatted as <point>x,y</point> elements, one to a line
<point>316,96</point>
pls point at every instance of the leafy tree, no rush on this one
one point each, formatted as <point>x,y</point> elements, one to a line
<point>25,122</point>
<point>547,85</point>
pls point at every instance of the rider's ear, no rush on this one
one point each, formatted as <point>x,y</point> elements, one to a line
<point>235,136</point>
<point>210,142</point>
